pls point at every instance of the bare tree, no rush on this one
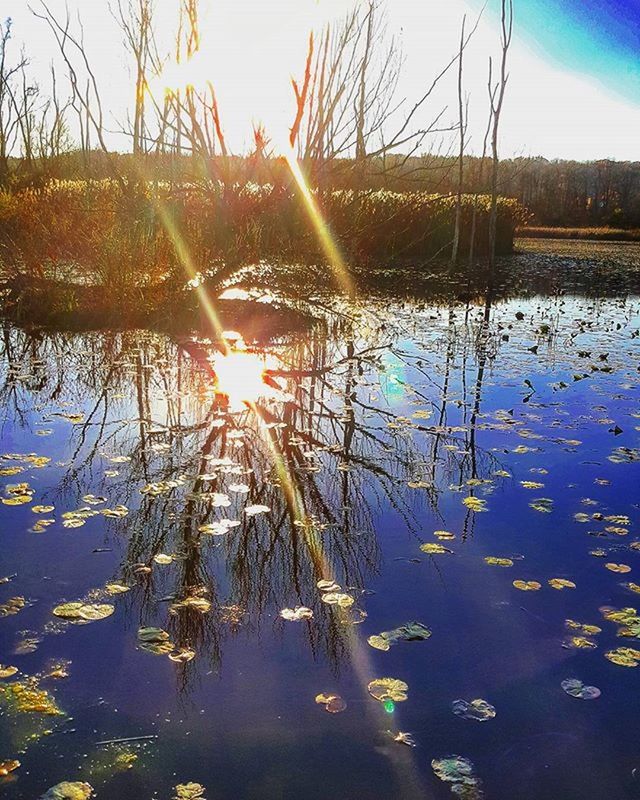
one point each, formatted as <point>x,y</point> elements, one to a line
<point>301,93</point>
<point>9,113</point>
<point>461,133</point>
<point>135,18</point>
<point>350,86</point>
<point>87,102</point>
<point>496,96</point>
<point>53,138</point>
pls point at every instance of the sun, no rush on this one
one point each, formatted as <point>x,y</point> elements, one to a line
<point>240,376</point>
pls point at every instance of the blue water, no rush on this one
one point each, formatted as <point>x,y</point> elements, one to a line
<point>333,465</point>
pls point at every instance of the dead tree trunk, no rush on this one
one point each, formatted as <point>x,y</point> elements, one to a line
<point>497,100</point>
<point>462,131</point>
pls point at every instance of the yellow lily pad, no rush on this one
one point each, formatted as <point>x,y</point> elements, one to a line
<point>494,561</point>
<point>527,586</point>
<point>388,689</point>
<point>561,583</point>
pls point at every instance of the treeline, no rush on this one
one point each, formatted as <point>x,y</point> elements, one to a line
<point>556,193</point>
<point>342,193</point>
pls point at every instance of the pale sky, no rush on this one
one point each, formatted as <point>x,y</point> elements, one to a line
<point>251,48</point>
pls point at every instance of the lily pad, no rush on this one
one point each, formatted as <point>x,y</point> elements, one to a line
<point>333,703</point>
<point>296,614</point>
<point>561,583</point>
<point>527,586</point>
<point>494,561</point>
<point>7,672</point>
<point>116,588</point>
<point>9,766</point>
<point>388,689</point>
<point>338,599</point>
<point>411,632</point>
<point>95,611</point>
<point>624,656</point>
<point>155,641</point>
<point>576,688</point>
<point>189,791</point>
<point>477,709</point>
<point>475,504</point>
<point>69,790</point>
<point>434,548</point>
<point>455,769</point>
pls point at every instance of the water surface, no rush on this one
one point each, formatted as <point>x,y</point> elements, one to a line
<point>511,426</point>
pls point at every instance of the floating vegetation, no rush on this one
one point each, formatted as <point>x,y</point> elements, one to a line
<point>155,640</point>
<point>328,586</point>
<point>584,628</point>
<point>296,614</point>
<point>495,561</point>
<point>115,513</point>
<point>254,510</point>
<point>6,767</point>
<point>26,697</point>
<point>189,791</point>
<point>194,601</point>
<point>12,606</point>
<point>477,709</point>
<point>69,790</point>
<point>575,688</point>
<point>116,588</point>
<point>337,598</point>
<point>433,548</point>
<point>411,632</point>
<point>182,655</point>
<point>388,689</point>
<point>220,527</point>
<point>527,586</point>
<point>626,618</point>
<point>402,737</point>
<point>476,504</point>
<point>618,567</point>
<point>624,656</point>
<point>624,455</point>
<point>57,669</point>
<point>561,583</point>
<point>332,703</point>
<point>578,642</point>
<point>86,612</point>
<point>459,772</point>
<point>542,504</point>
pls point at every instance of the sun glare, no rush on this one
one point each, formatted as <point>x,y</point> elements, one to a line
<point>176,77</point>
<point>241,377</point>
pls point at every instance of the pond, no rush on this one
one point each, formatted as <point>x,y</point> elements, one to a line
<point>209,559</point>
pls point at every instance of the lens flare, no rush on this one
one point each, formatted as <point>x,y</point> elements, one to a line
<point>240,376</point>
<point>330,248</point>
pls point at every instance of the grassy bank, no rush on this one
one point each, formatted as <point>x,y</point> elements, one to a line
<point>139,244</point>
<point>604,234</point>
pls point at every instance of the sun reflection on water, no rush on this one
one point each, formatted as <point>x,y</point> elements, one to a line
<point>242,376</point>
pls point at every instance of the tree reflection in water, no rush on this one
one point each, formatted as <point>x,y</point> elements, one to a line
<point>311,427</point>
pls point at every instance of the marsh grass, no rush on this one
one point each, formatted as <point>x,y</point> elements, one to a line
<point>129,249</point>
<point>604,233</point>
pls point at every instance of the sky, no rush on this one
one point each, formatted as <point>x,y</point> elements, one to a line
<point>574,85</point>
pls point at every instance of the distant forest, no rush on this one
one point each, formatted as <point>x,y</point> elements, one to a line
<point>562,193</point>
<point>556,193</point>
